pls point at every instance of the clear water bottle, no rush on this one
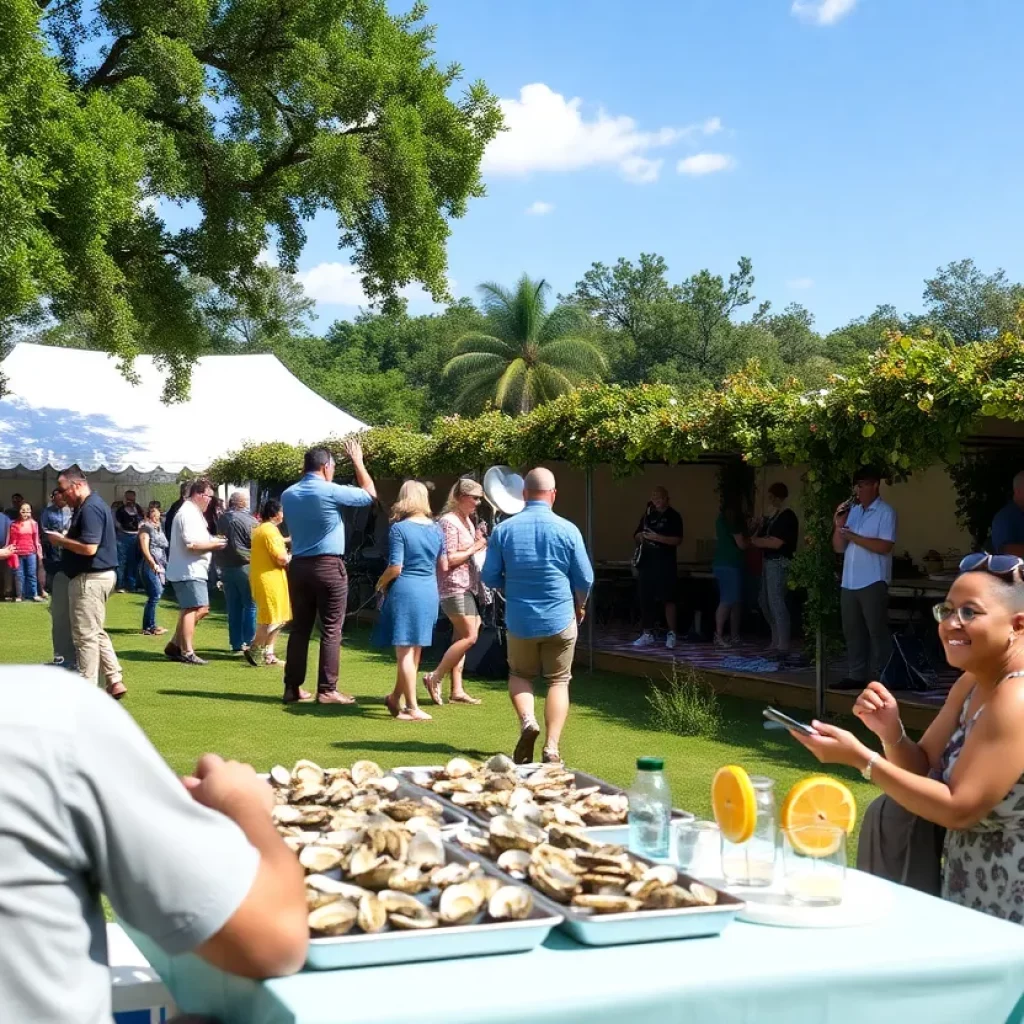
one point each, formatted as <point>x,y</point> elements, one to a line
<point>650,809</point>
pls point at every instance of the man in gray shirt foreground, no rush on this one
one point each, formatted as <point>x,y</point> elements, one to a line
<point>89,807</point>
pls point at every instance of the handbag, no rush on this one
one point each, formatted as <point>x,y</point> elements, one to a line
<point>901,847</point>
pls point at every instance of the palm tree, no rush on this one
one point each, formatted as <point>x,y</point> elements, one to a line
<point>528,356</point>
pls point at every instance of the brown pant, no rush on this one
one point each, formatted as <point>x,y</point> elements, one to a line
<point>317,586</point>
<point>87,602</point>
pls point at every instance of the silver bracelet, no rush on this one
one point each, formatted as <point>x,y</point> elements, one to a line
<point>903,736</point>
<point>866,770</point>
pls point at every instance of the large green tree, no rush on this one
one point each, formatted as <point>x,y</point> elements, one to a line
<point>525,355</point>
<point>253,115</point>
<point>970,305</point>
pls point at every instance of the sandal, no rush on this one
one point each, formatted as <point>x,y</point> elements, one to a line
<point>464,698</point>
<point>272,659</point>
<point>433,688</point>
<point>417,715</point>
<point>391,703</point>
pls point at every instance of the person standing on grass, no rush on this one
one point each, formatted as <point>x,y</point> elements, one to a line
<point>188,568</point>
<point>24,537</point>
<point>541,563</point>
<point>175,508</point>
<point>128,520</point>
<point>416,554</point>
<point>269,580</point>
<point>153,545</point>
<point>317,581</point>
<point>459,586</point>
<point>236,526</point>
<point>6,553</point>
<point>89,561</point>
<point>89,808</point>
<point>728,565</point>
<point>865,534</point>
<point>56,517</point>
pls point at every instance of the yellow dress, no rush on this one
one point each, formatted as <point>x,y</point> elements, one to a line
<point>268,581</point>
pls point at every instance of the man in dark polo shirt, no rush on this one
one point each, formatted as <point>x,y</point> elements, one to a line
<point>658,534</point>
<point>89,560</point>
<point>236,526</point>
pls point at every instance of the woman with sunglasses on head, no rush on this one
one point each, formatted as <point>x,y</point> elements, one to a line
<point>966,773</point>
<point>459,587</point>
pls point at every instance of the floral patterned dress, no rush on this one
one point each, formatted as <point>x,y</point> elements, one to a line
<point>984,866</point>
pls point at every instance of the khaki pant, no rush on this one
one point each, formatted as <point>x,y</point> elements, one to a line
<point>547,656</point>
<point>88,595</point>
<point>60,612</point>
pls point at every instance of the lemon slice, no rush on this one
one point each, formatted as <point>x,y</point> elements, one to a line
<point>812,803</point>
<point>734,803</point>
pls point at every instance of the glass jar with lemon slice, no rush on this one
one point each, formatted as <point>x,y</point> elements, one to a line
<point>744,807</point>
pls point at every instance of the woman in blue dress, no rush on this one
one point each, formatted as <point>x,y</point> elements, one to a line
<point>416,551</point>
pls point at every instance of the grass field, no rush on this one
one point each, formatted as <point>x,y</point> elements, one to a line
<point>236,710</point>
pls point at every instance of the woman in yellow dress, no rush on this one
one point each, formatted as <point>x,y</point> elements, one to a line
<point>269,583</point>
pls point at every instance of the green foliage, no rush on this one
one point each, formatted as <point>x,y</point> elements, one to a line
<point>685,705</point>
<point>524,356</point>
<point>969,305</point>
<point>258,112</point>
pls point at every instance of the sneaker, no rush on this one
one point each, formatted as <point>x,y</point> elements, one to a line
<point>670,640</point>
<point>645,639</point>
<point>523,754</point>
<point>191,658</point>
<point>172,651</point>
<point>39,600</point>
<point>723,644</point>
<point>253,655</point>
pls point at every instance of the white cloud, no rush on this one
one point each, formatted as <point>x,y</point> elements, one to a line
<point>540,208</point>
<point>268,257</point>
<point>547,132</point>
<point>150,204</point>
<point>706,163</point>
<point>800,283</point>
<point>822,12</point>
<point>338,284</point>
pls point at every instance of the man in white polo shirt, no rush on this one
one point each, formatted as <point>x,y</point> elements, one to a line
<point>188,569</point>
<point>865,535</point>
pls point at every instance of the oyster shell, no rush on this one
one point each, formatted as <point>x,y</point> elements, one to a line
<point>333,919</point>
<point>318,859</point>
<point>371,916</point>
<point>459,904</point>
<point>515,862</point>
<point>280,776</point>
<point>426,849</point>
<point>510,903</point>
<point>457,767</point>
<point>600,904</point>
<point>453,874</point>
<point>362,771</point>
<point>307,773</point>
<point>501,763</point>
<point>408,879</point>
<point>509,834</point>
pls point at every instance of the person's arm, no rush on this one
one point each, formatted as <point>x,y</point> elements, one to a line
<point>396,558</point>
<point>875,544</point>
<point>354,450</point>
<point>492,575</point>
<point>767,543</point>
<point>581,574</point>
<point>199,541</point>
<point>206,872</point>
<point>146,553</point>
<point>279,550</point>
<point>451,539</point>
<point>442,554</point>
<point>36,540</point>
<point>92,523</point>
<point>661,538</point>
<point>991,761</point>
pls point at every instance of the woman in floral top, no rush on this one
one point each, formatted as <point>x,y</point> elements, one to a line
<point>459,588</point>
<point>966,773</point>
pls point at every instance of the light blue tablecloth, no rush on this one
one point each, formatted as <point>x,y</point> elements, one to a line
<point>928,962</point>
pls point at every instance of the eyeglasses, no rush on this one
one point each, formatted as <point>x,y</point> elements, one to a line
<point>963,615</point>
<point>997,565</point>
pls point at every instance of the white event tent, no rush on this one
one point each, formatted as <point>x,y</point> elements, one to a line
<point>65,406</point>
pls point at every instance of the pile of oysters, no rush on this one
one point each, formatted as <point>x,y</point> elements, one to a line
<point>375,861</point>
<point>570,867</point>
<point>545,795</point>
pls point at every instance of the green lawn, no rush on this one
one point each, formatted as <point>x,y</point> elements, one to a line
<point>236,710</point>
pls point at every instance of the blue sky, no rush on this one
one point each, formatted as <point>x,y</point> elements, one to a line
<point>849,147</point>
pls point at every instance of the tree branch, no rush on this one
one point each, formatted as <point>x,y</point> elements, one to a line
<point>103,75</point>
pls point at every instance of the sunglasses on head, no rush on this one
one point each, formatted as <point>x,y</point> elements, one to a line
<point>997,565</point>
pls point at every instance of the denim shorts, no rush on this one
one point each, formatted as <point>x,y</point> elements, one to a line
<point>730,583</point>
<point>191,593</point>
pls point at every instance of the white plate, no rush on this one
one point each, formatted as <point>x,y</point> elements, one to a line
<point>866,900</point>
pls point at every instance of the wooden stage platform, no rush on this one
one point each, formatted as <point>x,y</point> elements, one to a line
<point>744,672</point>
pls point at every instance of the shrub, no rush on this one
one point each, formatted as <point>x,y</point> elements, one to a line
<point>686,705</point>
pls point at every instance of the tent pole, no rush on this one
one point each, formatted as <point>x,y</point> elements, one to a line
<point>590,550</point>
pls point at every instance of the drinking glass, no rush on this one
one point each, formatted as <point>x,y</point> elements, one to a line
<point>698,848</point>
<point>814,864</point>
<point>753,863</point>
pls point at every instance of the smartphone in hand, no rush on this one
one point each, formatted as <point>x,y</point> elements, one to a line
<point>790,723</point>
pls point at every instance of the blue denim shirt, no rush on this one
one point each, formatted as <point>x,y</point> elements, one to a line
<point>540,561</point>
<point>312,510</point>
<point>58,520</point>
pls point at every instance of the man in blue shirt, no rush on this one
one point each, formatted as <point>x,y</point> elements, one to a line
<point>317,581</point>
<point>56,517</point>
<point>540,562</point>
<point>865,534</point>
<point>1008,524</point>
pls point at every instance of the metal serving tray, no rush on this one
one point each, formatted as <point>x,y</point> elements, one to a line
<point>583,781</point>
<point>452,816</point>
<point>442,943</point>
